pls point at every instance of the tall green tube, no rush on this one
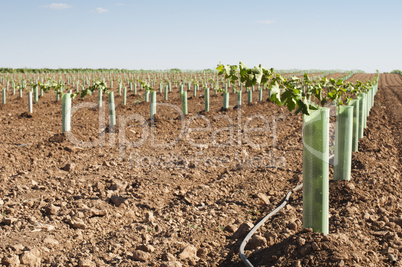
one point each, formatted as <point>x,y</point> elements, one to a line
<point>239,98</point>
<point>166,92</point>
<point>372,97</point>
<point>260,95</point>
<point>225,100</point>
<point>20,93</point>
<point>206,99</point>
<point>361,116</point>
<point>146,96</point>
<point>184,102</point>
<point>30,106</point>
<point>366,107</point>
<point>355,138</point>
<point>112,111</point>
<point>249,96</point>
<point>135,88</point>
<point>100,94</point>
<point>66,113</point>
<point>4,96</point>
<point>125,96</point>
<point>120,89</point>
<point>343,143</point>
<point>36,96</point>
<point>316,170</point>
<point>153,105</point>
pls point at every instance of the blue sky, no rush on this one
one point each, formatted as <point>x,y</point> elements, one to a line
<point>198,34</point>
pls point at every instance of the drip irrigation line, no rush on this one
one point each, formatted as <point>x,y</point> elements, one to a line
<point>260,223</point>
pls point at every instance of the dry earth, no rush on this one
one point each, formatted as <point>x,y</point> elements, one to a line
<point>169,195</point>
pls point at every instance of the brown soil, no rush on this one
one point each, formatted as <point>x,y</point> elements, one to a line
<point>120,198</point>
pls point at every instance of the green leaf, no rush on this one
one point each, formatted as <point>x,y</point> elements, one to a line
<point>275,98</point>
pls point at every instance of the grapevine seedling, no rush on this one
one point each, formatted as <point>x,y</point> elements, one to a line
<point>97,85</point>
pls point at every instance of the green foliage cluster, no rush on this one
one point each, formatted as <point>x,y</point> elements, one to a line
<point>292,92</point>
<point>97,85</point>
<point>175,70</point>
<point>397,72</point>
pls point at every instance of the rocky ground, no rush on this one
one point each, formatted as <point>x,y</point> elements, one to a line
<point>168,194</point>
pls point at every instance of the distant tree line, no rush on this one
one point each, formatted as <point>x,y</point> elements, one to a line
<point>47,70</point>
<point>76,70</point>
<point>397,72</point>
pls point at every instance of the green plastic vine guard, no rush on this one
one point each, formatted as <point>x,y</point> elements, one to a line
<point>366,109</point>
<point>66,112</point>
<point>4,96</point>
<point>206,99</point>
<point>361,115</point>
<point>343,143</point>
<point>112,111</point>
<point>239,98</point>
<point>372,97</point>
<point>250,96</point>
<point>135,88</point>
<point>119,89</point>
<point>125,96</point>
<point>260,95</point>
<point>225,100</point>
<point>20,93</point>
<point>36,97</point>
<point>153,105</point>
<point>100,94</point>
<point>355,138</point>
<point>165,97</point>
<point>184,102</point>
<point>316,170</point>
<point>146,96</point>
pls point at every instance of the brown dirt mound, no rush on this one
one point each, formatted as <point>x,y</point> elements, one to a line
<point>26,115</point>
<point>58,138</point>
<point>5,106</point>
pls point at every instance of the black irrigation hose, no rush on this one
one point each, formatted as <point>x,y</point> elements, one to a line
<point>260,223</point>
